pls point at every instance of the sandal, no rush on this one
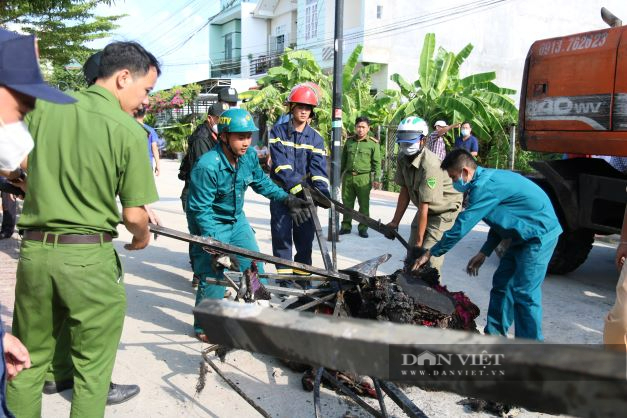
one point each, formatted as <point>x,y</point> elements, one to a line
<point>202,337</point>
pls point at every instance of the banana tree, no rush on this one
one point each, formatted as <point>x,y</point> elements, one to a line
<point>440,93</point>
<point>296,67</point>
<point>300,66</point>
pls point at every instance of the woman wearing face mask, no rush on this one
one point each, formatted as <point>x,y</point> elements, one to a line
<point>516,208</point>
<point>423,183</point>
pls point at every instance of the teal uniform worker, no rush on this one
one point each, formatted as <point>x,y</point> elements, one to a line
<point>69,273</point>
<point>216,199</point>
<point>360,168</point>
<point>513,207</point>
<point>423,183</point>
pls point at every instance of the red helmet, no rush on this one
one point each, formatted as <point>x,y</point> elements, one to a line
<point>304,94</point>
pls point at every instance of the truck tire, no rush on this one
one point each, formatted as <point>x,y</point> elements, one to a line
<point>571,251</point>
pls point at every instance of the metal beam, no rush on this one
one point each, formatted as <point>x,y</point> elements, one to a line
<point>551,378</point>
<point>221,247</point>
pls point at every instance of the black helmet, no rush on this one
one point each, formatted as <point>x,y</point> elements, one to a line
<point>92,67</point>
<point>227,94</point>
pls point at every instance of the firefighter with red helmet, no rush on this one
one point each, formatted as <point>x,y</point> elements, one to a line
<point>298,157</point>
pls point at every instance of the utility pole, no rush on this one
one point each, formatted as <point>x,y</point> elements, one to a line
<point>336,124</point>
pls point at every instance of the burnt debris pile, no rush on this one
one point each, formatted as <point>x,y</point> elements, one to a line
<point>412,299</point>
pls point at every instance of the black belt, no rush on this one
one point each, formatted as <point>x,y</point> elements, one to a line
<point>67,238</point>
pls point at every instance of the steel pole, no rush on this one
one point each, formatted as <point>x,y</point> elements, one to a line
<point>336,114</point>
<point>512,146</point>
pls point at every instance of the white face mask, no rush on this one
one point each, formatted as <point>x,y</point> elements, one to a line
<point>214,128</point>
<point>409,149</point>
<point>15,144</point>
<point>465,132</point>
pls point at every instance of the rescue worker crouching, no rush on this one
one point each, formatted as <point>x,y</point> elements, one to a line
<point>298,156</point>
<point>216,198</point>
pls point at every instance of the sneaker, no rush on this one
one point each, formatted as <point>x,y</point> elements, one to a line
<point>345,231</point>
<point>363,234</point>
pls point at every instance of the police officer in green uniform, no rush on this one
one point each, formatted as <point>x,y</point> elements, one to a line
<point>425,184</point>
<point>360,168</point>
<point>69,274</point>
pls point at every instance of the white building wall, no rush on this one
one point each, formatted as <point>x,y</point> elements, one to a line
<point>501,35</point>
<point>254,36</point>
<point>284,24</point>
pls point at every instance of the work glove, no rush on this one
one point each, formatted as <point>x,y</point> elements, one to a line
<point>221,261</point>
<point>299,209</point>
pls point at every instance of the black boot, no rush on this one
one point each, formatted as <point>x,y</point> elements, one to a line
<point>117,393</point>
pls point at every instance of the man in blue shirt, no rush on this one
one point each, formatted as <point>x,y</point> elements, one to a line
<point>298,157</point>
<point>467,141</point>
<point>513,207</point>
<point>153,141</point>
<point>216,198</point>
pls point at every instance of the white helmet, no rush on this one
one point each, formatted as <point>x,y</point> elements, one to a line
<point>411,130</point>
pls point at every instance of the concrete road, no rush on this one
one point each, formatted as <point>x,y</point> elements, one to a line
<point>159,353</point>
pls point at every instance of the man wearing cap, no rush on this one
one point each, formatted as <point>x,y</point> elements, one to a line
<point>204,138</point>
<point>69,274</point>
<point>435,141</point>
<point>228,96</point>
<point>20,84</point>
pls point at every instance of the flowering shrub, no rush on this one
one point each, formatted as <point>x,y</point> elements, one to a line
<point>174,98</point>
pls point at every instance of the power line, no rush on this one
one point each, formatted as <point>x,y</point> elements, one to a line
<point>188,37</point>
<point>402,26</point>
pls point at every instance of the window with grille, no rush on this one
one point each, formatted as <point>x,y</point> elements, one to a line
<point>311,19</point>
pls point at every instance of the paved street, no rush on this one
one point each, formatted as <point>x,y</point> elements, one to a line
<point>159,353</point>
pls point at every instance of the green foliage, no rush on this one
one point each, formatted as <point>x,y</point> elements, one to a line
<point>296,67</point>
<point>176,135</point>
<point>173,98</point>
<point>440,93</point>
<point>67,79</point>
<point>300,66</point>
<point>62,27</point>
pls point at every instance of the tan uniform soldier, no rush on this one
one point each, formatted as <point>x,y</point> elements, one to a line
<point>426,185</point>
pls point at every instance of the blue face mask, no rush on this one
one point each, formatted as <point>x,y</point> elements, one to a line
<point>460,185</point>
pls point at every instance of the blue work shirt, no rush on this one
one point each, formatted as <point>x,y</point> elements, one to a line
<point>512,205</point>
<point>152,138</point>
<point>470,145</point>
<point>216,191</point>
<point>298,157</point>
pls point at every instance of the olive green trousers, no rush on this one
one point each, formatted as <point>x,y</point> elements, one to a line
<point>79,288</point>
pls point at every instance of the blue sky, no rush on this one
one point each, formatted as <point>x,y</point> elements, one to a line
<point>171,30</point>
